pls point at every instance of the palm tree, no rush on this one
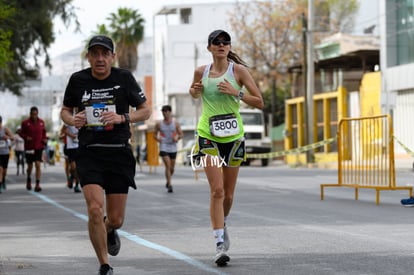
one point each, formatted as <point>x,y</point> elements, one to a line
<point>127,30</point>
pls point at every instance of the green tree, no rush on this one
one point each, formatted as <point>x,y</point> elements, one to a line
<point>127,29</point>
<point>28,33</point>
<point>6,54</point>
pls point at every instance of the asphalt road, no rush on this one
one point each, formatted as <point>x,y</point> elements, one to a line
<point>278,225</point>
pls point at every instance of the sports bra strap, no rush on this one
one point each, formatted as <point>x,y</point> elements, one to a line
<point>230,69</point>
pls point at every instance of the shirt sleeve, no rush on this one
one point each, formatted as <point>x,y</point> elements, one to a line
<point>68,98</point>
<point>136,95</point>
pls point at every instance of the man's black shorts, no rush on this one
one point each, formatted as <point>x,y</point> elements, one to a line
<point>111,168</point>
<point>171,155</point>
<point>71,154</point>
<point>4,161</point>
<point>34,155</point>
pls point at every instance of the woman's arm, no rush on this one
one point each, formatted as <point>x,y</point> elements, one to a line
<point>254,97</point>
<point>197,87</point>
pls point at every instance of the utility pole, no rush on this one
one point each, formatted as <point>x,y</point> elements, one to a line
<point>273,101</point>
<point>305,80</point>
<point>310,81</point>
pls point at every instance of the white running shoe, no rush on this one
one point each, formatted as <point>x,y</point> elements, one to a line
<point>222,257</point>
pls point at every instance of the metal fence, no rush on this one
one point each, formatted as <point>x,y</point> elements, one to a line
<point>366,155</point>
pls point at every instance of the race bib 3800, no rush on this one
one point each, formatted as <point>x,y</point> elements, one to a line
<point>224,125</point>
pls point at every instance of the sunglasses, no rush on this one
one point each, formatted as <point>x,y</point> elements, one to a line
<point>218,42</point>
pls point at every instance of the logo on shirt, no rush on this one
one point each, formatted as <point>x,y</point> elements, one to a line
<point>100,94</point>
<point>86,96</point>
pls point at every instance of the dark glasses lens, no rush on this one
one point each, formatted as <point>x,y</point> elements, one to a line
<point>218,42</point>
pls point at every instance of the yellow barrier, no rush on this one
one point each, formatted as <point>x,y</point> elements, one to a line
<point>366,155</point>
<point>152,151</point>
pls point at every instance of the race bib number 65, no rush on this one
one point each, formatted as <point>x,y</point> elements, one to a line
<point>224,125</point>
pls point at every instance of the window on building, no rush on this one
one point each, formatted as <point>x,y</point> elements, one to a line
<point>185,16</point>
<point>400,32</point>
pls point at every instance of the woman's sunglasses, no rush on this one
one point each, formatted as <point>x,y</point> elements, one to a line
<point>218,42</point>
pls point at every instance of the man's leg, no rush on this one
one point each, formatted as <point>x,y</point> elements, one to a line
<point>115,210</point>
<point>94,197</point>
<point>1,183</point>
<point>38,174</point>
<point>29,175</point>
<point>167,164</point>
<point>172,167</point>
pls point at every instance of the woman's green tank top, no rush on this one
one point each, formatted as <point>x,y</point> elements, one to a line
<point>216,103</point>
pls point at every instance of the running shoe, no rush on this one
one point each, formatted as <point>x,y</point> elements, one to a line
<point>170,189</point>
<point>408,202</point>
<point>226,238</point>
<point>29,184</point>
<point>77,189</point>
<point>37,188</point>
<point>113,242</point>
<point>106,269</point>
<point>222,257</point>
<point>69,184</point>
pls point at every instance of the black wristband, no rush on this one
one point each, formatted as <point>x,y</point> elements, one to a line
<point>127,119</point>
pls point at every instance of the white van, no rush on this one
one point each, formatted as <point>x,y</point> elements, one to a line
<point>255,133</point>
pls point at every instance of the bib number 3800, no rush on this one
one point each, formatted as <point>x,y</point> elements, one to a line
<point>224,125</point>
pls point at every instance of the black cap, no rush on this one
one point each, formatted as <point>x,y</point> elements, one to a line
<point>101,40</point>
<point>217,33</point>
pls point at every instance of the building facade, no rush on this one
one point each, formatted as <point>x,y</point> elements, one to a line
<point>397,67</point>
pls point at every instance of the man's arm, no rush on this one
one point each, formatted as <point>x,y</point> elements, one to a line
<point>78,120</point>
<point>178,131</point>
<point>157,130</point>
<point>62,132</point>
<point>9,134</point>
<point>141,113</point>
<point>66,115</point>
<point>44,135</point>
